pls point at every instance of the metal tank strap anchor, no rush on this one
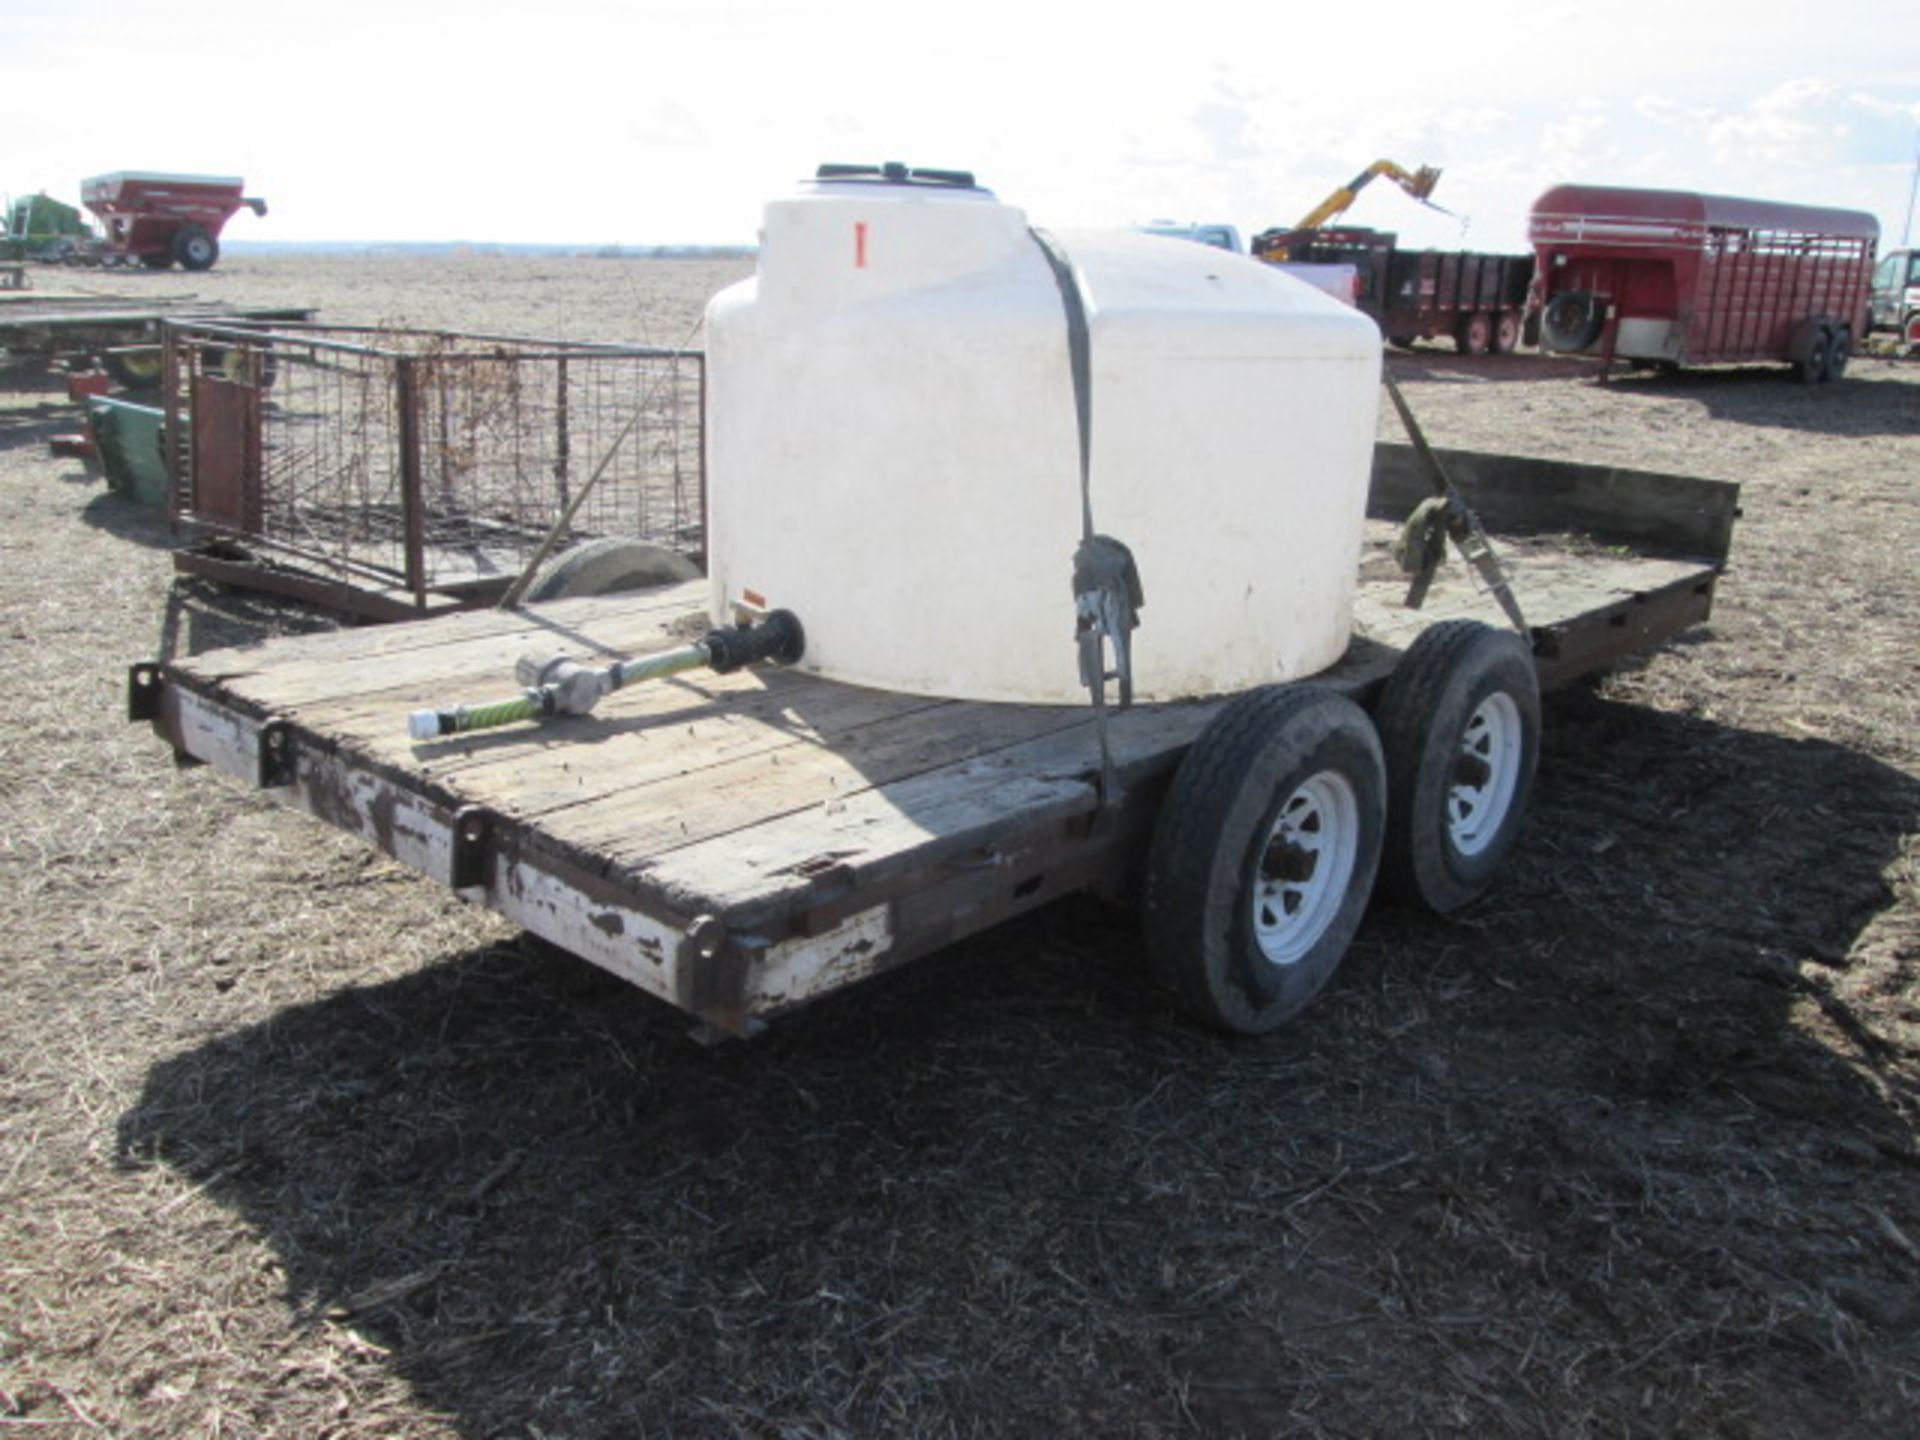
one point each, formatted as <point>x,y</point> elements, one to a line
<point>1422,542</point>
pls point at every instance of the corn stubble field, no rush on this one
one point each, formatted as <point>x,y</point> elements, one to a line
<point>294,1143</point>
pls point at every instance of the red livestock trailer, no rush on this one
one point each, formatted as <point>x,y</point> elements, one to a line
<point>158,219</point>
<point>1670,278</point>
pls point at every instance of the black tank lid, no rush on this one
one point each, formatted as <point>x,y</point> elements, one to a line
<point>895,173</point>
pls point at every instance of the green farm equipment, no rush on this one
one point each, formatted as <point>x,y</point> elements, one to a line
<point>38,227</point>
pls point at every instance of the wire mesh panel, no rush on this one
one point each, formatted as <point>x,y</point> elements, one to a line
<point>433,463</point>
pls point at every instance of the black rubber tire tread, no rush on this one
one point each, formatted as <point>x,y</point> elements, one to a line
<point>1571,320</point>
<point>1422,711</point>
<point>1474,334</point>
<point>1197,917</point>
<point>1839,351</point>
<point>1506,333</point>
<point>1812,370</point>
<point>607,566</point>
<point>132,374</point>
<point>187,253</point>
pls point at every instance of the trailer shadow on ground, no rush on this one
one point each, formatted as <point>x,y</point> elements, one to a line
<point>1875,398</point>
<point>36,408</point>
<point>1613,1151</point>
<point>1440,365</point>
<point>1871,401</point>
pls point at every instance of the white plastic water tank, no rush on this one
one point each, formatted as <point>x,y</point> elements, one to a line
<point>893,454</point>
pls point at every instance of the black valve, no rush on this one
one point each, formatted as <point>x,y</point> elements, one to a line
<point>776,636</point>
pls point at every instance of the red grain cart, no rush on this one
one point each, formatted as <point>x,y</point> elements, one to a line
<point>1669,278</point>
<point>158,219</point>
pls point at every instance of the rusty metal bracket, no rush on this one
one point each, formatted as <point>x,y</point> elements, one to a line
<point>472,847</point>
<point>275,755</point>
<point>143,691</point>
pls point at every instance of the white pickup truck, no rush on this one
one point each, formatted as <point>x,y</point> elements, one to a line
<point>1895,301</point>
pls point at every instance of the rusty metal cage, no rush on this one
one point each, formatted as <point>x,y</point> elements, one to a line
<point>406,471</point>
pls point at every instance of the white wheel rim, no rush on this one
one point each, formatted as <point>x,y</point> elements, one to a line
<point>1305,867</point>
<point>1485,773</point>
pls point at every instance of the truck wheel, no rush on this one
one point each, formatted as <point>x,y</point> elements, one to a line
<point>194,248</point>
<point>607,566</point>
<point>1459,725</point>
<point>1839,352</point>
<point>1506,333</point>
<point>1264,855</point>
<point>1474,334</point>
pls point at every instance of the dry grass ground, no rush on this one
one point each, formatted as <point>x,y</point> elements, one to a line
<point>293,1143</point>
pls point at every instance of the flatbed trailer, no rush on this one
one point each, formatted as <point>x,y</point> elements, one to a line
<point>739,845</point>
<point>52,326</point>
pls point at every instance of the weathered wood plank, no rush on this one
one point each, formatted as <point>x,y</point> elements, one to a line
<point>532,771</point>
<point>640,824</point>
<point>964,812</point>
<point>296,669</point>
<point>1682,514</point>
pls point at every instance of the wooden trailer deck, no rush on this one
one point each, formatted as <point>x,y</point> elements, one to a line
<point>740,844</point>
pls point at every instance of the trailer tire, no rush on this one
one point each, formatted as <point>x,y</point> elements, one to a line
<point>1572,320</point>
<point>194,248</point>
<point>1474,334</point>
<point>1459,723</point>
<point>1811,367</point>
<point>1506,333</point>
<point>607,566</point>
<point>134,368</point>
<point>1263,856</point>
<point>1839,352</point>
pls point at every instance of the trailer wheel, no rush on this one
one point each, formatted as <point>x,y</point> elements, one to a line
<point>1264,856</point>
<point>1811,367</point>
<point>1459,725</point>
<point>607,566</point>
<point>1839,352</point>
<point>252,365</point>
<point>194,248</point>
<point>134,367</point>
<point>1572,320</point>
<point>1506,333</point>
<point>1474,334</point>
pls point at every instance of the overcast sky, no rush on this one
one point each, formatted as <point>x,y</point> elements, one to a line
<point>603,123</point>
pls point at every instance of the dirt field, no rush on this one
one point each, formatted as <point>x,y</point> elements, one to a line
<point>293,1143</point>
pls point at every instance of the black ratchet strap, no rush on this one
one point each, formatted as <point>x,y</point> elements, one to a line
<point>1445,515</point>
<point>1107,595</point>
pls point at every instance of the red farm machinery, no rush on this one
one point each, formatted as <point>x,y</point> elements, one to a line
<point>157,219</point>
<point>1665,278</point>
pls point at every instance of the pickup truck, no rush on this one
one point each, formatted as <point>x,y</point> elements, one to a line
<point>1895,297</point>
<point>1221,237</point>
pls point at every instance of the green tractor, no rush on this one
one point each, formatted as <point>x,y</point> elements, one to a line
<point>38,227</point>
